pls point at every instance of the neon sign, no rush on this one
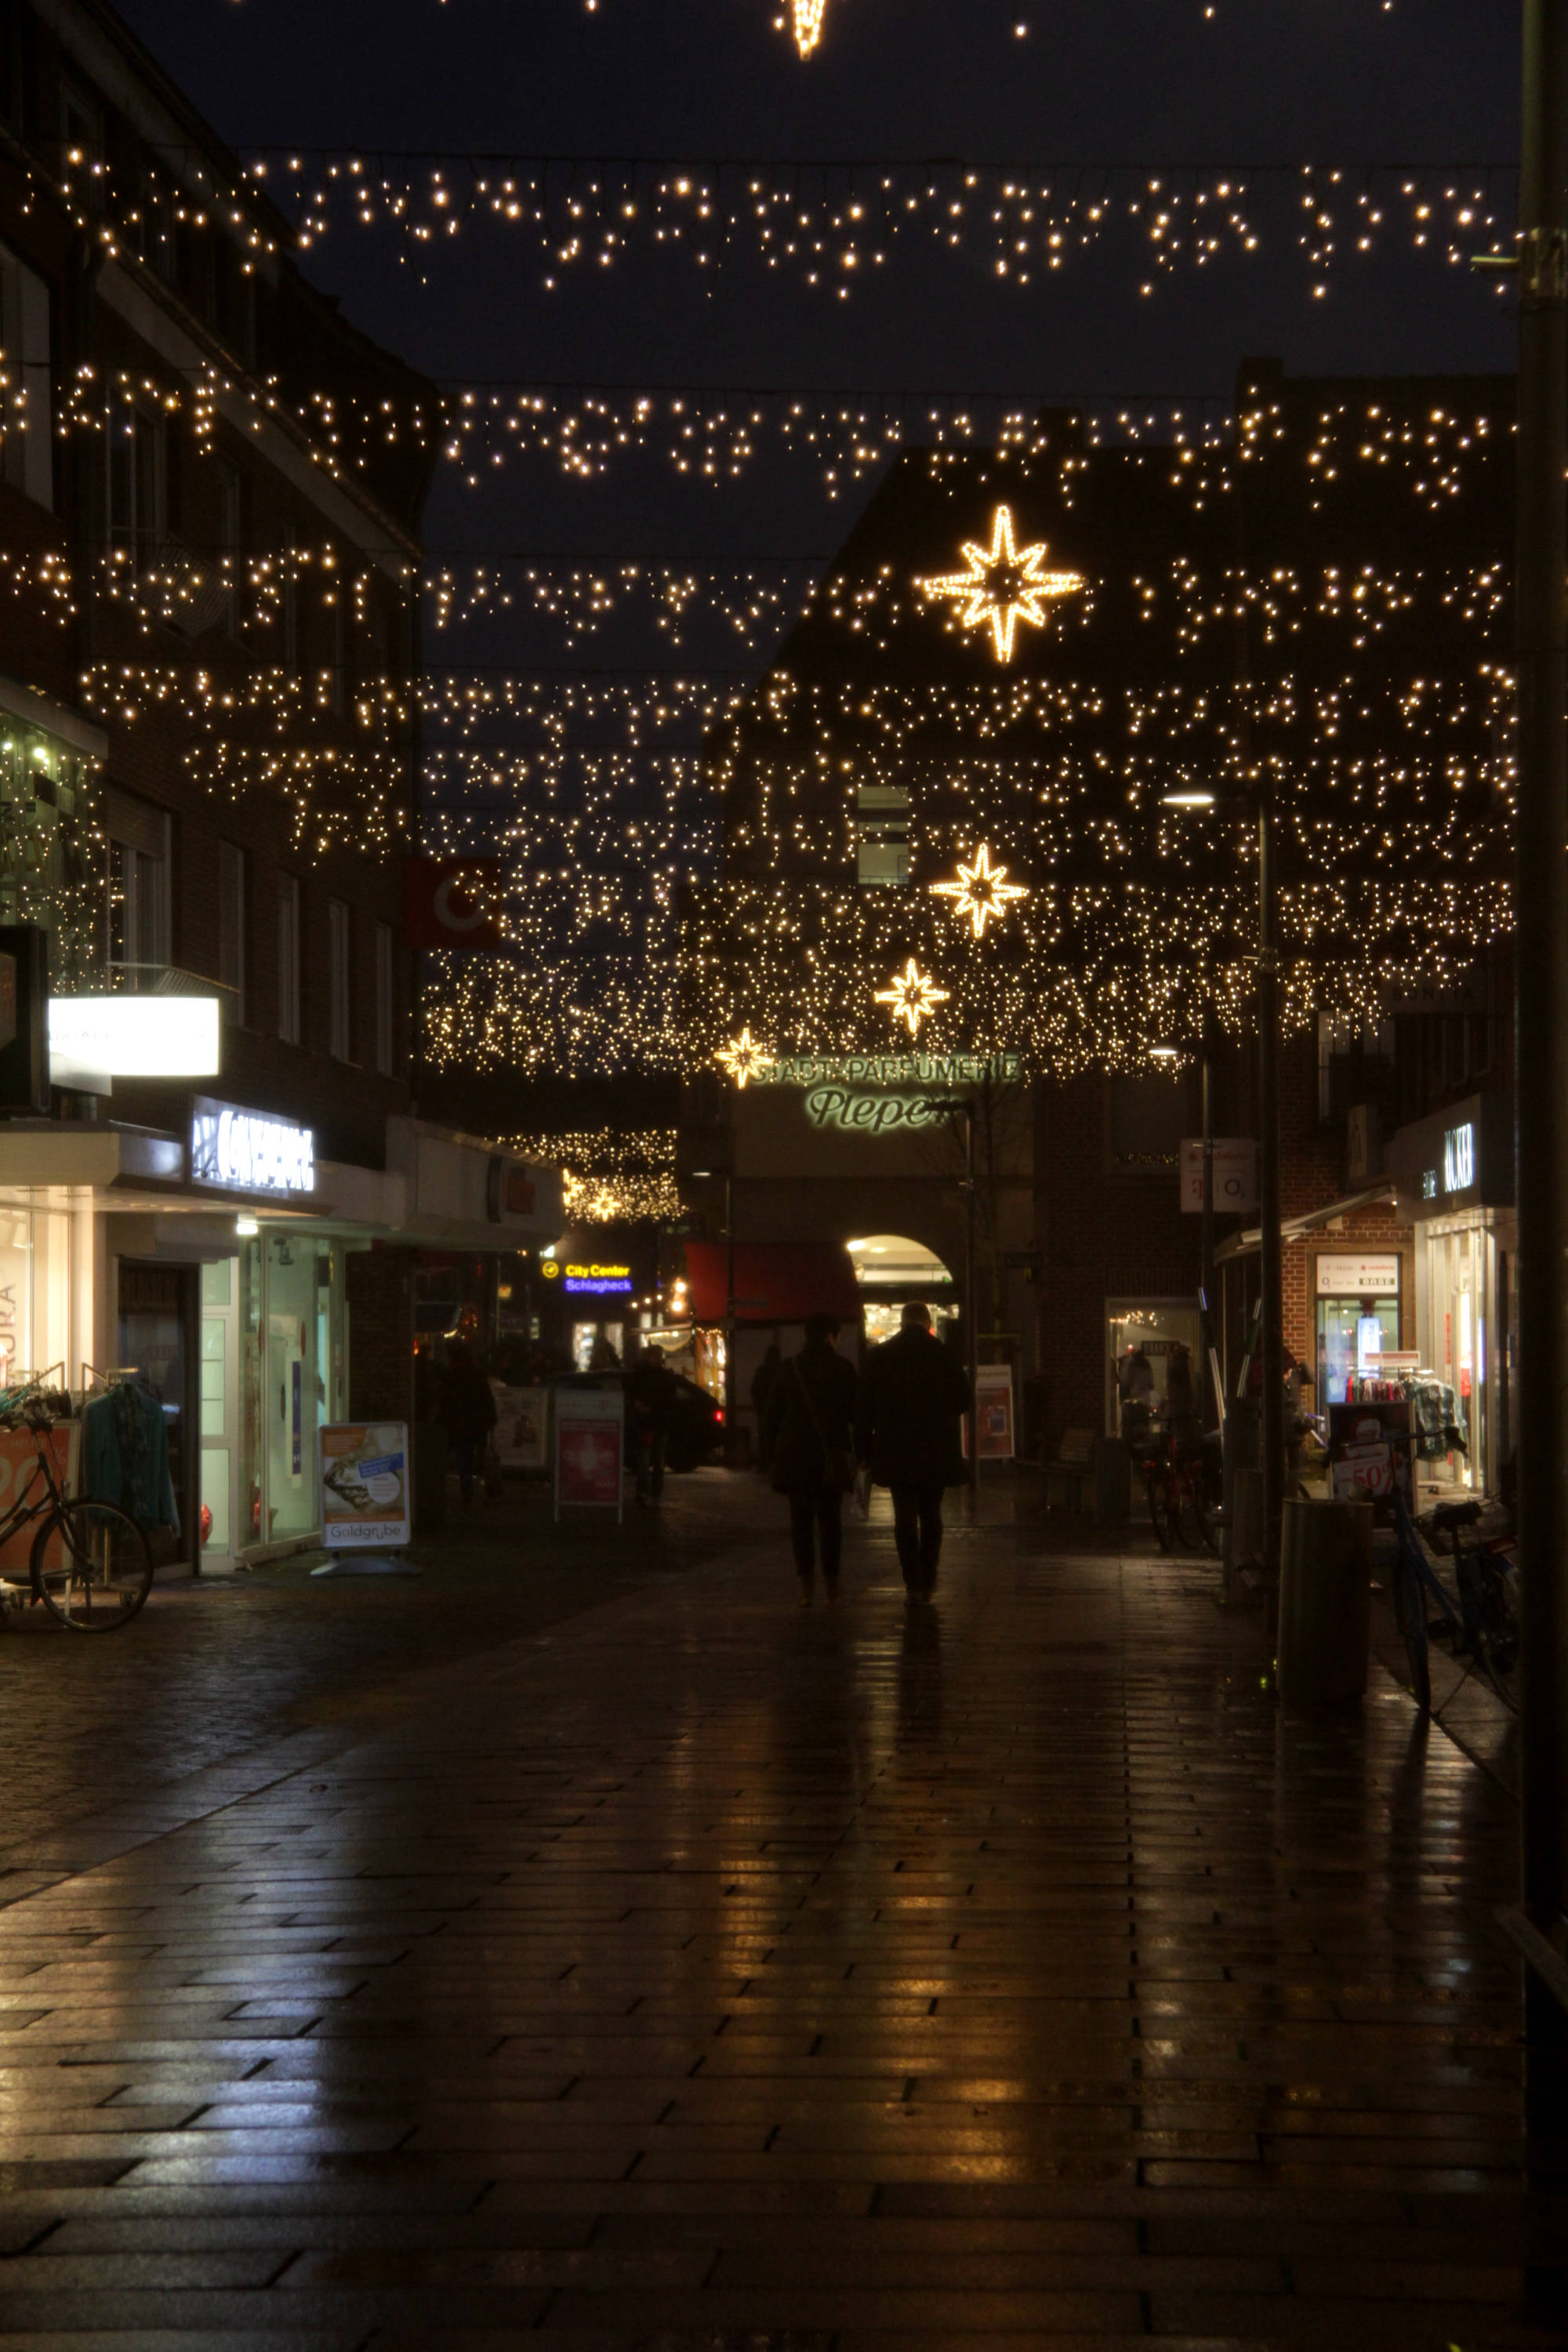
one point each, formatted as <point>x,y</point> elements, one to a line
<point>1459,1159</point>
<point>599,1281</point>
<point>863,1113</point>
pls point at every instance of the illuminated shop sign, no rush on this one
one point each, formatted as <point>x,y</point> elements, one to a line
<point>245,1151</point>
<point>1459,1159</point>
<point>135,1036</point>
<point>875,1114</point>
<point>599,1281</point>
<point>886,1070</point>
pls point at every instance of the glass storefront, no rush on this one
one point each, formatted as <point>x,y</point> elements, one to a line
<point>291,1376</point>
<point>1460,1290</point>
<point>1141,1336</point>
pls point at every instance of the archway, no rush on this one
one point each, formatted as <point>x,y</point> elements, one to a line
<point>891,1269</point>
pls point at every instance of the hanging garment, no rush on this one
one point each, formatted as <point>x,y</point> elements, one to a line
<point>125,1456</point>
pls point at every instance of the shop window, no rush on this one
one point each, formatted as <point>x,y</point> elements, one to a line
<point>27,413</point>
<point>232,896</point>
<point>385,1000</point>
<point>288,1022</point>
<point>882,836</point>
<point>138,891</point>
<point>1147,1117</point>
<point>340,981</point>
<point>138,490</point>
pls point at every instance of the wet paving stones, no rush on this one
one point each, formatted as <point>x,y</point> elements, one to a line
<point>714,1974</point>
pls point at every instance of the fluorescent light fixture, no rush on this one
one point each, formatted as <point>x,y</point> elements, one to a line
<point>133,1036</point>
<point>1165,1053</point>
<point>246,1227</point>
<point>1194,799</point>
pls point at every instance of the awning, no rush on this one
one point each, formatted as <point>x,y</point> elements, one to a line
<point>775,1282</point>
<point>1249,1242</point>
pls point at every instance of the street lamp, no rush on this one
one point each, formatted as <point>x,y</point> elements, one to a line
<point>959,1107</point>
<point>1271,1244</point>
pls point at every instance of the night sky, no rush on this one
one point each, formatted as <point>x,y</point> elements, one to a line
<point>1153,83</point>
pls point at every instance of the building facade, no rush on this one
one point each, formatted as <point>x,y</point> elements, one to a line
<point>210,497</point>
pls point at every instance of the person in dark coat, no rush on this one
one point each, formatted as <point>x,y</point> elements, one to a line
<point>468,1410</point>
<point>912,1401</point>
<point>810,1416</point>
<point>650,1388</point>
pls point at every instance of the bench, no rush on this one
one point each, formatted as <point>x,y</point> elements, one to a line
<point>1072,1469</point>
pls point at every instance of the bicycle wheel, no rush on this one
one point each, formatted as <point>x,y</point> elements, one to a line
<point>1159,1515</point>
<point>1411,1611</point>
<point>91,1566</point>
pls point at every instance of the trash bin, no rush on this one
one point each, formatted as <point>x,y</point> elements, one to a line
<point>1112,1482</point>
<point>1325,1606</point>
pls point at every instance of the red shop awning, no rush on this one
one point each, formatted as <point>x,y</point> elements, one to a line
<point>775,1282</point>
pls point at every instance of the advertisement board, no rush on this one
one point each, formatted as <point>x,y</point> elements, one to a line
<point>522,1427</point>
<point>1234,1175</point>
<point>364,1484</point>
<point>993,1400</point>
<point>590,1439</point>
<point>19,1464</point>
<point>1367,1452</point>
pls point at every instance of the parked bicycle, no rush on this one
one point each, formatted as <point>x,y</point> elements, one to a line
<point>1482,1623</point>
<point>89,1564</point>
<point>1182,1482</point>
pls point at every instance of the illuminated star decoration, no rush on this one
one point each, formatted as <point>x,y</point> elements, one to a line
<point>808,16</point>
<point>742,1057</point>
<point>912,996</point>
<point>1002,585</point>
<point>980,891</point>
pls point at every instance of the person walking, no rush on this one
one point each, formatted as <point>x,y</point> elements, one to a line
<point>809,1436</point>
<point>913,1398</point>
<point>468,1408</point>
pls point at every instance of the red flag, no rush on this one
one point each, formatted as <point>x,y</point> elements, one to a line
<point>453,902</point>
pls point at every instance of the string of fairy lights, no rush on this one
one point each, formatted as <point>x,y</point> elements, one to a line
<point>1064,892</point>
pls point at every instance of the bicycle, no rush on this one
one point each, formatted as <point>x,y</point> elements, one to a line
<point>89,1564</point>
<point>1482,1624</point>
<point>1182,1486</point>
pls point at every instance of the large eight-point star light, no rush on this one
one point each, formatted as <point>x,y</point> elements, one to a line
<point>912,996</point>
<point>980,891</point>
<point>742,1057</point>
<point>1002,585</point>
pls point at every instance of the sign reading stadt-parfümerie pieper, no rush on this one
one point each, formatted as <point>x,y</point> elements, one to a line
<point>248,1151</point>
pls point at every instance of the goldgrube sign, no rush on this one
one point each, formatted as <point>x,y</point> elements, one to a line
<point>240,1150</point>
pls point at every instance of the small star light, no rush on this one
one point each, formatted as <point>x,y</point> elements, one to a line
<point>1002,585</point>
<point>742,1057</point>
<point>912,996</point>
<point>808,16</point>
<point>980,891</point>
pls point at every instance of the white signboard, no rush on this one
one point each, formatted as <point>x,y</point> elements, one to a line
<point>364,1484</point>
<point>133,1036</point>
<point>1359,1278</point>
<point>1234,1175</point>
<point>522,1427</point>
<point>245,1151</point>
<point>590,1443</point>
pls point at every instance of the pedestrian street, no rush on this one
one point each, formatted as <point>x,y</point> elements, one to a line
<point>699,1969</point>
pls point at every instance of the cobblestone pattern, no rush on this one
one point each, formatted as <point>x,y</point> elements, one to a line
<point>721,1975</point>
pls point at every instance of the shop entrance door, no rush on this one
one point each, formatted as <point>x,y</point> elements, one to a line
<point>289,1392</point>
<point>220,1409</point>
<point>158,1336</point>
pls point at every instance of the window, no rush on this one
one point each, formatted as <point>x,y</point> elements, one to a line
<point>386,1001</point>
<point>27,421</point>
<point>231,909</point>
<point>228,511</point>
<point>82,139</point>
<point>340,981</point>
<point>289,959</point>
<point>138,490</point>
<point>1146,1118</point>
<point>337,680</point>
<point>882,836</point>
<point>138,897</point>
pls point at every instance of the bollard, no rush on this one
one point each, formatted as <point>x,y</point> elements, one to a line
<point>1325,1606</point>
